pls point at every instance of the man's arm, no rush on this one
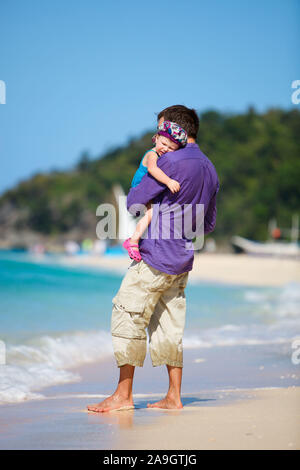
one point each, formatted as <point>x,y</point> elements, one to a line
<point>149,187</point>
<point>211,214</point>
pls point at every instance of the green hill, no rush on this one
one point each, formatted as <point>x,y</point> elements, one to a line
<point>256,157</point>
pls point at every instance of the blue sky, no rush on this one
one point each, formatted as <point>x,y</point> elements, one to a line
<point>87,75</point>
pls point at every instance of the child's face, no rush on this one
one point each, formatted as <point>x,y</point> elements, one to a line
<point>164,145</point>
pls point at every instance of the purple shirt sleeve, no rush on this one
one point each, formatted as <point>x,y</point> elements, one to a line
<point>211,214</point>
<point>149,187</point>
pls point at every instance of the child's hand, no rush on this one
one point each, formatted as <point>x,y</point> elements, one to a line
<point>173,186</point>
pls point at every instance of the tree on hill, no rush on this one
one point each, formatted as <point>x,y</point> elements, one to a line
<point>256,157</point>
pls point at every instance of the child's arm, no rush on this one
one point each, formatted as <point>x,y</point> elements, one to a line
<point>159,175</point>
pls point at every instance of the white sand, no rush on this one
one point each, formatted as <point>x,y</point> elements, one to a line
<point>245,269</point>
<point>269,419</point>
<point>226,268</point>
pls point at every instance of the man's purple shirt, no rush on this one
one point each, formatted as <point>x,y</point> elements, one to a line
<point>199,184</point>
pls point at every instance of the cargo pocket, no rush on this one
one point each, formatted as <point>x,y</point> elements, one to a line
<point>132,295</point>
<point>126,324</point>
<point>135,304</point>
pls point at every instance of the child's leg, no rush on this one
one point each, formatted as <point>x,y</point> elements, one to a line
<point>142,225</point>
<point>131,244</point>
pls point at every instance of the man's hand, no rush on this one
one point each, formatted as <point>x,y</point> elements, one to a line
<point>173,186</point>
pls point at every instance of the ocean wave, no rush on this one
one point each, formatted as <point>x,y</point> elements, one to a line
<point>243,335</point>
<point>42,362</point>
<point>18,383</point>
<point>283,302</point>
<point>48,360</point>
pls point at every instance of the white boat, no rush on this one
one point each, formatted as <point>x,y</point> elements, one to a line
<point>272,248</point>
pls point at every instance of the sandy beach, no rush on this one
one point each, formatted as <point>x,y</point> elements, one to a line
<point>226,268</point>
<point>259,419</point>
<point>216,418</point>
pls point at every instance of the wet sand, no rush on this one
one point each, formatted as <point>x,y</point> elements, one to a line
<point>230,401</point>
<point>258,419</point>
<point>247,419</point>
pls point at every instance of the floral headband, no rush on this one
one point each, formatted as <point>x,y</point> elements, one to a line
<point>172,131</point>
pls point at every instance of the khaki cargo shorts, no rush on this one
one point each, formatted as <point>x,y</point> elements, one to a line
<point>153,300</point>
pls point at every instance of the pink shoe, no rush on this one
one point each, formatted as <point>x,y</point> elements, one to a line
<point>134,254</point>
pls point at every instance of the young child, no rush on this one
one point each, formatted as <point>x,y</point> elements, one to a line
<point>169,137</point>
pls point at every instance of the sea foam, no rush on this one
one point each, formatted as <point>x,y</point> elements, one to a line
<point>42,362</point>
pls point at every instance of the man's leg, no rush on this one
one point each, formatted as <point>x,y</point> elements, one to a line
<point>133,306</point>
<point>172,399</point>
<point>122,397</point>
<point>166,330</point>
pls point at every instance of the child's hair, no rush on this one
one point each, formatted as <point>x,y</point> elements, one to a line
<point>185,117</point>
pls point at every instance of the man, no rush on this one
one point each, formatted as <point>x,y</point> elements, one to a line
<point>151,295</point>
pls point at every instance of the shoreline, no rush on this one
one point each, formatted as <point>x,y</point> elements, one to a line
<point>211,370</point>
<point>238,269</point>
<point>264,418</point>
<point>230,402</point>
<point>223,268</point>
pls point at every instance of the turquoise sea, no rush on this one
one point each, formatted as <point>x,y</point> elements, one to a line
<point>55,318</point>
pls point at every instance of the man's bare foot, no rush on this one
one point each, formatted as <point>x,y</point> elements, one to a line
<point>114,402</point>
<point>167,403</point>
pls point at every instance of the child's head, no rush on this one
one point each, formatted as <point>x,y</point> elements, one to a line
<point>169,137</point>
<point>183,116</point>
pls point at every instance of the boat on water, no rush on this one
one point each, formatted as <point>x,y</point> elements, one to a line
<point>273,248</point>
